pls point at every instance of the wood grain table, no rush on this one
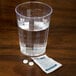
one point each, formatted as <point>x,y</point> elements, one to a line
<point>61,42</point>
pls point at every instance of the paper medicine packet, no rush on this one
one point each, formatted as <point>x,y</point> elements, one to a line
<point>47,64</point>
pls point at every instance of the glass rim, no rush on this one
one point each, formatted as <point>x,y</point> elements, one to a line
<point>51,10</point>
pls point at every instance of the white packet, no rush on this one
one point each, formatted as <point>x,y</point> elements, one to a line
<point>47,64</point>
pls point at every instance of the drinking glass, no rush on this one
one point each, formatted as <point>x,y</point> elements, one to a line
<point>33,19</point>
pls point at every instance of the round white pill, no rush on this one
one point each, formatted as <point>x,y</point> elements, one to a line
<point>31,63</point>
<point>25,61</point>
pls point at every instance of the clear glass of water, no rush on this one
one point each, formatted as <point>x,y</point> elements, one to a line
<point>33,19</point>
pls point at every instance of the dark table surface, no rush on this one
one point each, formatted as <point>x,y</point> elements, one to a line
<point>61,42</point>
